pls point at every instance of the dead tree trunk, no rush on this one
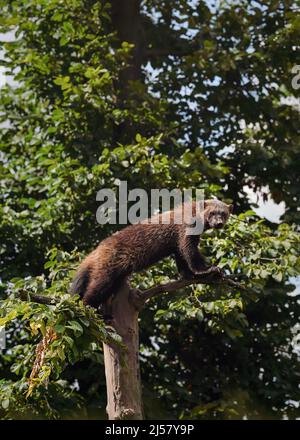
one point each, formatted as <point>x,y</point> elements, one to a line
<point>122,369</point>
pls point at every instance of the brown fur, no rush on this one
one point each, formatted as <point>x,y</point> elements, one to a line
<point>137,247</point>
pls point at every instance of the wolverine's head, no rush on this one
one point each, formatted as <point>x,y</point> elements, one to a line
<point>216,213</point>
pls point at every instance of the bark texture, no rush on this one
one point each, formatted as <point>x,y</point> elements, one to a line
<point>122,369</point>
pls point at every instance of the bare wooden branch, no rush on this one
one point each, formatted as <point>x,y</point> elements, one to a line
<point>206,278</point>
<point>41,299</point>
<point>140,297</point>
<point>172,286</point>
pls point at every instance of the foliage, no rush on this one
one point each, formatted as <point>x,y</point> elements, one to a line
<point>208,109</point>
<point>227,72</point>
<point>77,332</point>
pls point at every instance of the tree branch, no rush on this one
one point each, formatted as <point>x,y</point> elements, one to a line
<point>205,278</point>
<point>41,299</point>
<point>140,297</point>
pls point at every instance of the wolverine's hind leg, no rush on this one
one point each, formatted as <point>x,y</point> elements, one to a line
<point>80,282</point>
<point>99,290</point>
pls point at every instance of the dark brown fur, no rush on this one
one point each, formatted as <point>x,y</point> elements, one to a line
<point>137,247</point>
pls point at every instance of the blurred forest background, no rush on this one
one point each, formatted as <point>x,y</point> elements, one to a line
<point>162,94</point>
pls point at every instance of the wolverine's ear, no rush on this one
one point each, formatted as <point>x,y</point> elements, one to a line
<point>230,207</point>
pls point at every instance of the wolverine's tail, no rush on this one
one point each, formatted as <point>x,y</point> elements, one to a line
<point>80,282</point>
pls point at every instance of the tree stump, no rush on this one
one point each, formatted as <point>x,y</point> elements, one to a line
<point>122,369</point>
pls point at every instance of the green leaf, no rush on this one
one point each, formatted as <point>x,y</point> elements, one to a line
<point>74,325</point>
<point>278,276</point>
<point>5,403</point>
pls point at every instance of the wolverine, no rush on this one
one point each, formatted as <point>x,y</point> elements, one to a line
<point>140,245</point>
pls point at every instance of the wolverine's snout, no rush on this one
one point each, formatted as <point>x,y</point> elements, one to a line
<point>217,222</point>
<point>219,225</point>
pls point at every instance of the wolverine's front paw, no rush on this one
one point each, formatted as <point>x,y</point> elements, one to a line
<point>212,270</point>
<point>215,270</point>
